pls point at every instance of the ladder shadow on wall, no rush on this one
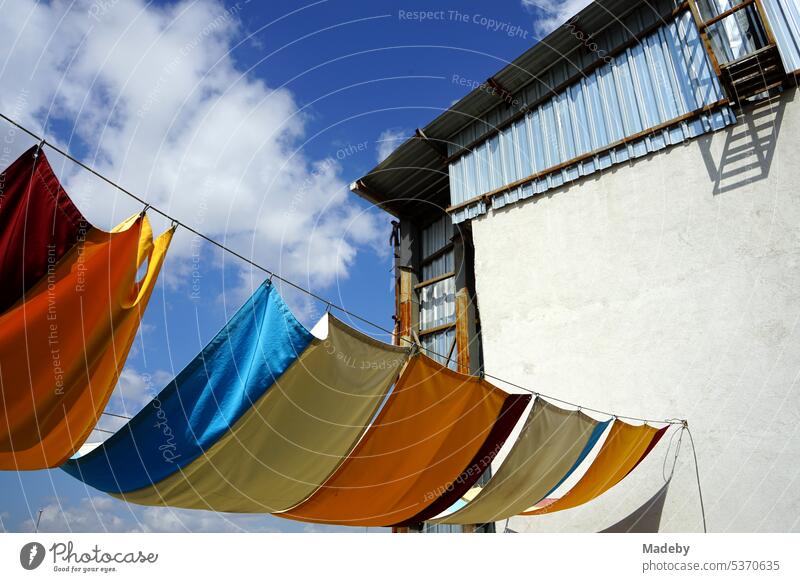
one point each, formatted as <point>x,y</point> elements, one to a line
<point>749,146</point>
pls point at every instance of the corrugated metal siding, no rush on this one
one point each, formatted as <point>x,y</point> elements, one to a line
<point>784,18</point>
<point>437,347</point>
<point>438,267</point>
<point>541,83</point>
<point>665,76</point>
<point>436,236</point>
<point>437,304</point>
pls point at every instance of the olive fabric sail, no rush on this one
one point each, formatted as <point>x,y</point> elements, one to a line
<point>426,436</point>
<point>548,448</point>
<point>39,224</point>
<point>63,348</point>
<point>203,401</point>
<point>286,442</point>
<point>624,448</point>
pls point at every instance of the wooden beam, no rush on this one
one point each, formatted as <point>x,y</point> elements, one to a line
<point>698,20</point>
<point>434,280</point>
<point>725,14</point>
<point>437,329</point>
<point>462,331</point>
<point>433,256</point>
<point>500,90</point>
<point>405,307</point>
<point>360,188</point>
<point>435,147</point>
<point>765,22</point>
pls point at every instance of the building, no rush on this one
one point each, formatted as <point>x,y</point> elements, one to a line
<point>613,219</point>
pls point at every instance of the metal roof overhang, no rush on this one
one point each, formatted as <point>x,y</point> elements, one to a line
<point>415,175</point>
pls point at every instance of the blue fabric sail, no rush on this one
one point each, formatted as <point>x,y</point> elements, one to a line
<point>593,438</point>
<point>201,403</point>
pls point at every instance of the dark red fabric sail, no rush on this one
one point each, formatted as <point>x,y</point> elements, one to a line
<point>38,224</point>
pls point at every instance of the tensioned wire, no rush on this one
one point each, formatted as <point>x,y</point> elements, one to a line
<point>272,275</point>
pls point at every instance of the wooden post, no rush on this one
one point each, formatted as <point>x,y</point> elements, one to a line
<point>406,269</point>
<point>698,20</point>
<point>406,303</point>
<point>765,22</point>
<point>405,306</point>
<point>463,331</point>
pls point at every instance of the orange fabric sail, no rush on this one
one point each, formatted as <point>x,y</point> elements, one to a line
<point>63,348</point>
<point>424,440</point>
<point>626,446</point>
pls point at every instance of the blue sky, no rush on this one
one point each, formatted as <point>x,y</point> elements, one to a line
<point>246,120</point>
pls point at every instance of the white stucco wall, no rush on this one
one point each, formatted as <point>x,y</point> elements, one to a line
<point>646,292</point>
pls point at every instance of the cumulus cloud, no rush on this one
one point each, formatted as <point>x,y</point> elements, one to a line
<point>106,514</point>
<point>550,14</point>
<point>133,391</point>
<point>153,97</point>
<point>389,140</point>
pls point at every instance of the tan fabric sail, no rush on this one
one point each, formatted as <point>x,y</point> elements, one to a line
<point>626,446</point>
<point>547,448</point>
<point>433,425</point>
<point>295,436</point>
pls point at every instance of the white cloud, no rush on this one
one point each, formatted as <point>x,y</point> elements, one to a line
<point>389,140</point>
<point>161,106</point>
<point>550,14</point>
<point>106,514</point>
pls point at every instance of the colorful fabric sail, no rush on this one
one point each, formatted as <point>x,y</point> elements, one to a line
<point>38,224</point>
<point>63,348</point>
<point>624,448</point>
<point>434,428</point>
<point>286,442</point>
<point>203,401</point>
<point>548,449</point>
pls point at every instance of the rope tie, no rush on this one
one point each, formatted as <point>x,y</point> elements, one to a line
<point>39,147</point>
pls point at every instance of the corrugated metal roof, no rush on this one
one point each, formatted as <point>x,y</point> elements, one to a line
<point>416,172</point>
<point>664,81</point>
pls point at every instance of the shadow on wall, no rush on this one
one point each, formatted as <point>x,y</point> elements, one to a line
<point>646,519</point>
<point>749,146</point>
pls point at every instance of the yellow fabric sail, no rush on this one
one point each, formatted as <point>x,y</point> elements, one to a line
<point>430,430</point>
<point>295,436</point>
<point>624,448</point>
<point>63,348</point>
<point>548,446</point>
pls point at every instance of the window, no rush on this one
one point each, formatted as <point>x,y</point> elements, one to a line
<point>736,35</point>
<point>437,293</point>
